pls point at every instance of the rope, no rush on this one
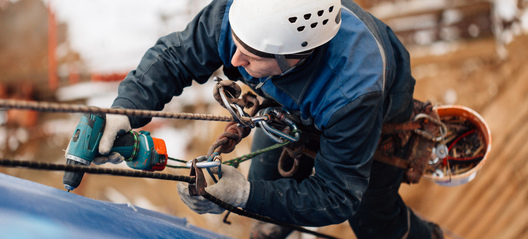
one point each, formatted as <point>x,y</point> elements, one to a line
<point>69,108</point>
<point>236,161</point>
<point>262,218</point>
<point>155,175</point>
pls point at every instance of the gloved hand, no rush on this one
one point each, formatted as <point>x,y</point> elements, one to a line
<point>115,125</point>
<point>233,188</point>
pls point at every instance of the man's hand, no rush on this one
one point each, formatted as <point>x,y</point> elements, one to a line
<point>233,188</point>
<point>115,125</point>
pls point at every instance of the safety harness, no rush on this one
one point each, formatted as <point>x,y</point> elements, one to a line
<point>409,145</point>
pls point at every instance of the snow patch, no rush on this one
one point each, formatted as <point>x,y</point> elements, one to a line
<point>112,36</point>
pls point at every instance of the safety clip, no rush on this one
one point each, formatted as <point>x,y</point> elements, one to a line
<point>277,114</point>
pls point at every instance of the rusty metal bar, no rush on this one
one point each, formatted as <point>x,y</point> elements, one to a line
<point>69,108</point>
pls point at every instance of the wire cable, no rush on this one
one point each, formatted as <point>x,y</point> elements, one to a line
<point>155,175</point>
<point>70,108</point>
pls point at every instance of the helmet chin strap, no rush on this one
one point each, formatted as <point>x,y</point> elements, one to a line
<point>284,65</point>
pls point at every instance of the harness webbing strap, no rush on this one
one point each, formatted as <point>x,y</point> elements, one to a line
<point>400,146</point>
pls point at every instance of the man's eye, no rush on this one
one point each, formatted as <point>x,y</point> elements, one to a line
<point>247,56</point>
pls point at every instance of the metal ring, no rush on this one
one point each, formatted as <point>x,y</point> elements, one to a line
<point>277,135</point>
<point>443,128</point>
<point>260,118</point>
<point>228,105</point>
<point>293,169</point>
<point>206,164</point>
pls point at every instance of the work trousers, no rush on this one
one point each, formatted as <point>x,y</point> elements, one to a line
<point>382,213</point>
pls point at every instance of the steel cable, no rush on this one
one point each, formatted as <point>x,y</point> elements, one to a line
<point>155,175</point>
<point>95,170</point>
<point>70,108</point>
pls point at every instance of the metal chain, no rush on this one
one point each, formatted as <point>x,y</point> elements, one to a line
<point>69,108</point>
<point>146,174</point>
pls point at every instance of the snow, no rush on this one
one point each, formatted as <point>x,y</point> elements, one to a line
<point>173,140</point>
<point>85,90</point>
<point>112,36</point>
<point>387,9</point>
<point>506,9</point>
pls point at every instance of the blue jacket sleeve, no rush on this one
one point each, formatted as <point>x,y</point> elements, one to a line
<point>333,194</point>
<point>173,63</point>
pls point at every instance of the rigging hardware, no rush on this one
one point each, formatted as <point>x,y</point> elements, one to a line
<point>278,114</point>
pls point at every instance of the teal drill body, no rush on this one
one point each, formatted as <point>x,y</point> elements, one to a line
<point>140,150</point>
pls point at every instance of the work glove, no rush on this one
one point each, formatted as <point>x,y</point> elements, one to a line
<point>115,125</point>
<point>233,188</point>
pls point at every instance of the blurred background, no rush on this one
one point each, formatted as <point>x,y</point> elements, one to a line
<point>465,52</point>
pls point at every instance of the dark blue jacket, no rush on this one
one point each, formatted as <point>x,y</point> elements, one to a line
<point>347,89</point>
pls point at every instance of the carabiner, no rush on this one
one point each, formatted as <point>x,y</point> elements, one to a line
<point>204,164</point>
<point>232,107</point>
<point>208,163</point>
<point>260,118</point>
<point>275,134</point>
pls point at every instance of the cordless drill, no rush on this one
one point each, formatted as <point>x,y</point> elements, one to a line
<point>140,150</point>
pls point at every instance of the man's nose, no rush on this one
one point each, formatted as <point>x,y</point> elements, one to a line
<point>238,59</point>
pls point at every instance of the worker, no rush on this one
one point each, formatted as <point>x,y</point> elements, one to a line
<point>334,65</point>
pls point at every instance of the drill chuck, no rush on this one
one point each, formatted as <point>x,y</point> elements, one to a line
<point>83,146</point>
<point>71,180</point>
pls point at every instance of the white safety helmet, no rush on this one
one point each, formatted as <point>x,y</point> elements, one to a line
<point>284,27</point>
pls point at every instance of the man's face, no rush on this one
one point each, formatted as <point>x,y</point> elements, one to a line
<point>255,65</point>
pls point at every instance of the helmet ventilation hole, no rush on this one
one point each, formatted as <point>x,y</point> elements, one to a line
<point>304,44</point>
<point>331,9</point>
<point>300,29</point>
<point>307,16</point>
<point>325,22</point>
<point>313,25</point>
<point>320,12</point>
<point>292,19</point>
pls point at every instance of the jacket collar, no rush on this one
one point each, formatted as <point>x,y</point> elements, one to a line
<point>296,83</point>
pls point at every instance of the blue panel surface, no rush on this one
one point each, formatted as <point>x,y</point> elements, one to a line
<point>32,210</point>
